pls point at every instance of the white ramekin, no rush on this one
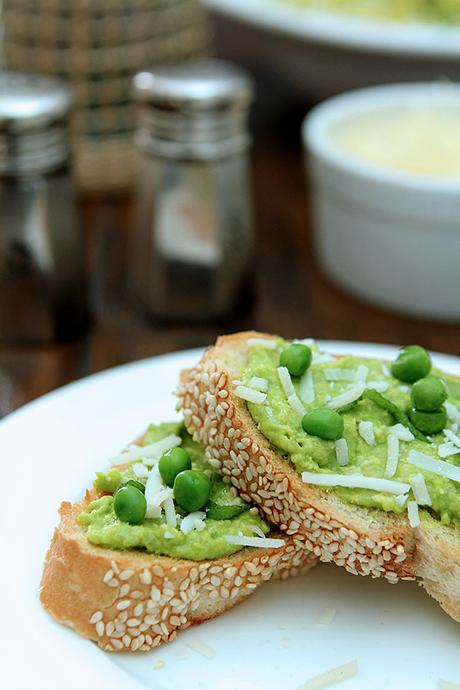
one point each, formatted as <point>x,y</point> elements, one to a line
<point>387,236</point>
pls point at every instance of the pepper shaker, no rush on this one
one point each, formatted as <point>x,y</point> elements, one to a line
<point>193,228</point>
<point>41,269</point>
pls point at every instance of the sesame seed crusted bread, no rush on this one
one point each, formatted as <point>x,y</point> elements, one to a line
<point>130,600</point>
<point>363,541</point>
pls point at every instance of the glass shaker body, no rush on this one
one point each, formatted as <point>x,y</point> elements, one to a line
<point>193,223</point>
<point>41,263</point>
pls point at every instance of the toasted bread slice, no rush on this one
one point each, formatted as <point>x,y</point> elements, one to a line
<point>130,600</point>
<point>364,541</point>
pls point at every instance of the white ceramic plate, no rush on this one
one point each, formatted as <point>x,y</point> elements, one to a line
<point>50,450</point>
<point>325,52</point>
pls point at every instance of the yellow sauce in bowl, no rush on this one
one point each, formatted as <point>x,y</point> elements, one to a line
<point>420,140</point>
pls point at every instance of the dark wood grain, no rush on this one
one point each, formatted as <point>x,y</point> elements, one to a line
<point>291,296</point>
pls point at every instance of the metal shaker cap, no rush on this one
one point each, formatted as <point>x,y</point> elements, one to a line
<point>33,122</point>
<point>199,105</point>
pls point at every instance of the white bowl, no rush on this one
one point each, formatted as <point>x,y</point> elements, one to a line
<point>323,53</point>
<point>390,237</point>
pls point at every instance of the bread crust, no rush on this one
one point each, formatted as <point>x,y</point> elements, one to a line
<point>363,541</point>
<point>130,600</point>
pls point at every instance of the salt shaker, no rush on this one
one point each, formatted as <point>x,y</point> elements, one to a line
<point>41,272</point>
<point>193,229</point>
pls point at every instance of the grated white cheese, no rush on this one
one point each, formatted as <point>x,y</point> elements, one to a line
<point>202,648</point>
<point>250,394</point>
<point>420,489</point>
<point>160,497</point>
<point>327,616</point>
<point>392,455</point>
<point>295,404</point>
<point>347,397</point>
<point>439,467</point>
<point>336,374</point>
<point>356,481</point>
<point>146,453</point>
<point>402,432</point>
<point>199,525</point>
<point>140,470</point>
<point>379,386</point>
<point>271,344</point>
<point>385,370</point>
<point>153,486</point>
<point>307,387</point>
<point>285,380</point>
<point>452,412</point>
<point>445,450</point>
<point>412,513</point>
<point>341,452</point>
<point>401,499</point>
<point>170,511</point>
<point>265,543</point>
<point>403,388</point>
<point>452,437</point>
<point>187,524</point>
<point>168,535</point>
<point>366,431</point>
<point>331,677</point>
<point>362,373</point>
<point>259,384</point>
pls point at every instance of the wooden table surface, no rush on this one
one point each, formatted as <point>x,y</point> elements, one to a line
<point>292,297</point>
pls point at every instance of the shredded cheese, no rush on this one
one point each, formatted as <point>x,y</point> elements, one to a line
<point>202,648</point>
<point>140,470</point>
<point>392,455</point>
<point>445,450</point>
<point>420,490</point>
<point>256,529</point>
<point>347,397</point>
<point>336,374</point>
<point>439,467</point>
<point>271,344</point>
<point>412,513</point>
<point>362,373</point>
<point>341,452</point>
<point>265,543</point>
<point>307,387</point>
<point>146,453</point>
<point>453,438</point>
<point>401,499</point>
<point>170,511</point>
<point>452,412</point>
<point>259,384</point>
<point>366,431</point>
<point>331,677</point>
<point>288,387</point>
<point>356,481</point>
<point>379,386</point>
<point>187,524</point>
<point>153,486</point>
<point>295,404</point>
<point>322,358</point>
<point>250,394</point>
<point>402,432</point>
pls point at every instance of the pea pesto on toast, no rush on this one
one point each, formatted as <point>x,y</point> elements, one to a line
<point>158,544</point>
<point>360,455</point>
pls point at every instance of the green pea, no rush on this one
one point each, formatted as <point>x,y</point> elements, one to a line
<point>428,394</point>
<point>323,423</point>
<point>412,363</point>
<point>191,490</point>
<point>130,504</point>
<point>172,462</point>
<point>296,358</point>
<point>429,422</point>
<point>136,484</point>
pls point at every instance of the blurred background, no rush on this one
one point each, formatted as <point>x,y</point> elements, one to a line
<point>146,214</point>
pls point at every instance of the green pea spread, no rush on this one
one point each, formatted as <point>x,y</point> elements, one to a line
<point>282,427</point>
<point>154,535</point>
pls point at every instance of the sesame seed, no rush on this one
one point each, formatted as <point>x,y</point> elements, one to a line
<point>126,574</point>
<point>118,644</point>
<point>113,582</point>
<point>123,604</point>
<point>145,577</point>
<point>155,593</point>
<point>96,617</point>
<point>138,610</point>
<point>133,622</point>
<point>108,576</point>
<point>124,589</point>
<point>100,628</point>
